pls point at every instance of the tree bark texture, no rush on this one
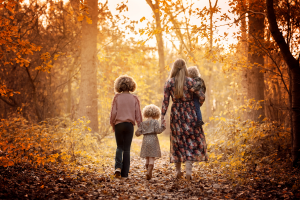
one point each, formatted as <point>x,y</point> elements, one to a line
<point>244,49</point>
<point>255,79</point>
<point>88,102</point>
<point>159,39</point>
<point>293,65</point>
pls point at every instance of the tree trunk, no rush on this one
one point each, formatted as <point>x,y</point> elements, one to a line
<point>88,102</point>
<point>244,51</point>
<point>208,95</point>
<point>296,115</point>
<point>255,79</point>
<point>159,40</point>
<point>294,68</point>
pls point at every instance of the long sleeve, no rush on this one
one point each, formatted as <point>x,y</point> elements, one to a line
<point>199,84</point>
<point>200,95</point>
<point>166,101</point>
<point>159,129</point>
<point>138,132</point>
<point>113,112</point>
<point>138,114</point>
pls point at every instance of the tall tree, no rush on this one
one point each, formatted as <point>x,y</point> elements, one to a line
<point>255,79</point>
<point>293,65</point>
<point>212,11</point>
<point>159,37</point>
<point>88,103</point>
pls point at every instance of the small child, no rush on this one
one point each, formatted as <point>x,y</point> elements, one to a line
<point>200,85</point>
<point>150,128</point>
<point>125,112</point>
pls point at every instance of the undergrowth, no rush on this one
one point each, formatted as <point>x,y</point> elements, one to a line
<point>237,146</point>
<point>57,140</point>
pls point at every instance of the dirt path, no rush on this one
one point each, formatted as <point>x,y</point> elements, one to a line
<point>57,183</point>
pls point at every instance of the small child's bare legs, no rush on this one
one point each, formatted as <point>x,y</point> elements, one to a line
<point>150,160</point>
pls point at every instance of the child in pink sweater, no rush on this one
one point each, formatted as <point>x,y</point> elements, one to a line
<point>125,112</point>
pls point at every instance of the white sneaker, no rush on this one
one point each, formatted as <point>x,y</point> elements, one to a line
<point>118,173</point>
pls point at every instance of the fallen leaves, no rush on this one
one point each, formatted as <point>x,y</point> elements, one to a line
<point>57,182</point>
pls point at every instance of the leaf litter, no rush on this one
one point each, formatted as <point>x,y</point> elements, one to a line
<point>209,182</point>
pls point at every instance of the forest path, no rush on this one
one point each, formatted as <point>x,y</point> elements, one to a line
<point>50,182</point>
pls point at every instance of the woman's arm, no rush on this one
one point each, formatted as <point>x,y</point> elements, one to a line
<point>165,103</point>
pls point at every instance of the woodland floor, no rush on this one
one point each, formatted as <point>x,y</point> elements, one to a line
<point>50,182</point>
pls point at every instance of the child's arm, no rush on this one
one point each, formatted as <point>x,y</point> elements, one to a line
<point>198,84</point>
<point>199,93</point>
<point>138,132</point>
<point>159,129</point>
<point>113,112</point>
<point>203,85</point>
<point>138,114</point>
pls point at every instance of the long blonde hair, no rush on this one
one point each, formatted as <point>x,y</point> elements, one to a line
<point>179,72</point>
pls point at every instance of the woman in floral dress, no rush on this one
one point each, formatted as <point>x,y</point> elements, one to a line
<point>187,141</point>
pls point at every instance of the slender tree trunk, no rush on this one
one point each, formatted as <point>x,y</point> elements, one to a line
<point>293,65</point>
<point>255,79</point>
<point>210,67</point>
<point>244,51</point>
<point>88,102</point>
<point>159,39</point>
<point>69,103</point>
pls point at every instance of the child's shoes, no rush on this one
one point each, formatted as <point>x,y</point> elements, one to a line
<point>199,123</point>
<point>179,175</point>
<point>149,171</point>
<point>188,177</point>
<point>118,173</point>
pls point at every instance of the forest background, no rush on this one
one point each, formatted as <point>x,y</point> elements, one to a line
<point>59,60</point>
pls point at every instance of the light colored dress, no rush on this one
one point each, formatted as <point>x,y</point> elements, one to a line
<point>150,146</point>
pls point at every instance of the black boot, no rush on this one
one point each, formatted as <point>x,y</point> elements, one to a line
<point>199,123</point>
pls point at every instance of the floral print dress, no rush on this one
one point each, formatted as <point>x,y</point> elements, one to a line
<point>187,142</point>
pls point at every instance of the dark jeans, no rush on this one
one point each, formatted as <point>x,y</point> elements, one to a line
<point>198,111</point>
<point>124,134</point>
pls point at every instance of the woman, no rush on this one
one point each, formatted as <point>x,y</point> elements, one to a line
<point>187,141</point>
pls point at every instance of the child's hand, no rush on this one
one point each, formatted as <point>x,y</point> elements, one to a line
<point>137,134</point>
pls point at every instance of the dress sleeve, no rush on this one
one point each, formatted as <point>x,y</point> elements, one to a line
<point>197,85</point>
<point>158,129</point>
<point>203,85</point>
<point>113,112</point>
<point>166,101</point>
<point>138,114</point>
<point>200,95</point>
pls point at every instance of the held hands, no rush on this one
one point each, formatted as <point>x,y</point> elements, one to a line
<point>163,121</point>
<point>137,133</point>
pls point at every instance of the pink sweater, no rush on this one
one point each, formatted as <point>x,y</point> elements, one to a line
<point>125,108</point>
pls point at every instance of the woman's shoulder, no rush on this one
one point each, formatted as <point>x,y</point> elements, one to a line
<point>170,81</point>
<point>189,79</point>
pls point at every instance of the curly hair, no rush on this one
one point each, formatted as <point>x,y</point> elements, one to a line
<point>193,72</point>
<point>124,83</point>
<point>151,111</point>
